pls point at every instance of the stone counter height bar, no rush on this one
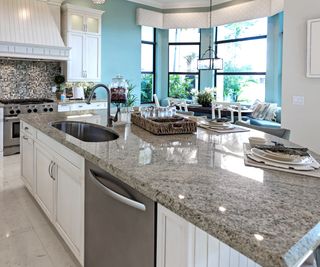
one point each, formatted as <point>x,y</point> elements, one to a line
<point>269,216</point>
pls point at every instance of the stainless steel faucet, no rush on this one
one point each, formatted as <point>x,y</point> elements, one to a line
<point>110,119</point>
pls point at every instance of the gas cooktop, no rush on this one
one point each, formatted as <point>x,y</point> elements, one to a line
<point>27,101</point>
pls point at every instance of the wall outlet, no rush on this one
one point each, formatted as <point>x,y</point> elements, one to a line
<point>298,100</point>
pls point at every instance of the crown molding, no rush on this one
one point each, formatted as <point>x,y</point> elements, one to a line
<point>171,5</point>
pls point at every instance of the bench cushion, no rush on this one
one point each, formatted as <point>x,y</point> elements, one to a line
<point>265,123</point>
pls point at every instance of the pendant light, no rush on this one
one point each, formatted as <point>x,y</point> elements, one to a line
<point>98,2</point>
<point>209,59</point>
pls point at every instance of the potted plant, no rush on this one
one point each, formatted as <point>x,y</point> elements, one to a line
<point>206,97</point>
<point>131,97</point>
<point>194,93</point>
<point>59,80</point>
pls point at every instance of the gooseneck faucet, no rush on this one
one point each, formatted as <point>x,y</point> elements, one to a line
<point>110,119</point>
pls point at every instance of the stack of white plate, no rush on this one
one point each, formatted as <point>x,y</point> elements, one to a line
<point>282,160</point>
<point>217,125</point>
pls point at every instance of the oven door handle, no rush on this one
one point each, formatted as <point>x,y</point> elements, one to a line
<point>11,119</point>
<point>116,196</point>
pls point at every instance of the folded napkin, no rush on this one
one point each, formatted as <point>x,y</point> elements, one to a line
<point>297,151</point>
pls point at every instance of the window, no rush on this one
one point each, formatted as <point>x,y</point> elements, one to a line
<point>243,47</point>
<point>184,49</point>
<point>148,56</point>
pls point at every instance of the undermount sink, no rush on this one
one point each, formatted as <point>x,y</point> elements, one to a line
<point>86,132</point>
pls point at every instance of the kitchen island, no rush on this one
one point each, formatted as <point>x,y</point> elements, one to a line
<point>270,217</point>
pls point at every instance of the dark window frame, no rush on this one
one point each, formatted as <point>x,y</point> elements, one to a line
<point>198,73</point>
<point>153,72</point>
<point>239,73</point>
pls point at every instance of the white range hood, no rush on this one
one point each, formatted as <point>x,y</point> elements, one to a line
<point>28,30</point>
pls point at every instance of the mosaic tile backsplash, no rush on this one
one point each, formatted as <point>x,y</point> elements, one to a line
<point>27,79</point>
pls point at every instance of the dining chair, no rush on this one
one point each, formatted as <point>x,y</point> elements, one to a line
<point>156,100</point>
<point>229,106</point>
<point>181,103</point>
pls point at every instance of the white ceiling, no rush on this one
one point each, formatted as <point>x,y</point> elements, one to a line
<point>167,4</point>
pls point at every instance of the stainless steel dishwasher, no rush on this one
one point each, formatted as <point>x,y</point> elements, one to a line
<point>120,223</point>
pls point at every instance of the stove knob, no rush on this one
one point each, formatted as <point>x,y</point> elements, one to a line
<point>45,110</point>
<point>50,109</point>
<point>35,110</point>
<point>18,111</point>
<point>29,110</point>
<point>11,112</point>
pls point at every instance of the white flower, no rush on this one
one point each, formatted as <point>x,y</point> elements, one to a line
<point>194,92</point>
<point>208,90</point>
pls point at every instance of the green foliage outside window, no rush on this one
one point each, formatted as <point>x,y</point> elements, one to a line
<point>131,98</point>
<point>146,88</point>
<point>233,84</point>
<point>179,88</point>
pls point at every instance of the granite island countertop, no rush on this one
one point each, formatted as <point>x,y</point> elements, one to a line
<point>208,170</point>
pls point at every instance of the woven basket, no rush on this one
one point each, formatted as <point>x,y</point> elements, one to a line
<point>165,126</point>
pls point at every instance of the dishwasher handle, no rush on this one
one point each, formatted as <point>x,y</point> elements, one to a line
<point>114,195</point>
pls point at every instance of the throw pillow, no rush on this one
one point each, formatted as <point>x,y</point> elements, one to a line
<point>260,111</point>
<point>263,111</point>
<point>255,104</point>
<point>271,112</point>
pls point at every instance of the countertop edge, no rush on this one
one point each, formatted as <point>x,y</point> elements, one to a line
<point>290,259</point>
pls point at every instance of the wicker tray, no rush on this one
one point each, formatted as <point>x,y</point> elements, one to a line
<point>165,126</point>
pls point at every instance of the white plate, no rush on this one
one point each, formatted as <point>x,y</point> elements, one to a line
<point>283,158</point>
<point>220,125</point>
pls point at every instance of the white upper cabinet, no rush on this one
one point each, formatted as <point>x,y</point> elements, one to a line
<point>76,62</point>
<point>313,49</point>
<point>82,33</point>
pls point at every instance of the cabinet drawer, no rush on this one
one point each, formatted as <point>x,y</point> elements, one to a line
<point>85,106</point>
<point>82,106</point>
<point>60,149</point>
<point>63,108</point>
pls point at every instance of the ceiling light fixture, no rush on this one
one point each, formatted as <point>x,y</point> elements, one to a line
<point>98,2</point>
<point>209,59</point>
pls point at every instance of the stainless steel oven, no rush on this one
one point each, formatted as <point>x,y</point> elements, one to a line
<point>11,135</point>
<point>11,126</point>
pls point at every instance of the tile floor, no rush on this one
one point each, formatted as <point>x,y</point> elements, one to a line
<point>26,237</point>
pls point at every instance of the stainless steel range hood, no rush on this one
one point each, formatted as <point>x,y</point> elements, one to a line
<point>28,30</point>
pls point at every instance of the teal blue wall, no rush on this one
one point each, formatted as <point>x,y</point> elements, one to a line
<point>121,43</point>
<point>206,76</point>
<point>274,60</point>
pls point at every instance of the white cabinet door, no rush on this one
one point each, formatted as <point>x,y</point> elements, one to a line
<point>313,49</point>
<point>93,24</point>
<point>76,64</point>
<point>174,237</point>
<point>26,152</point>
<point>181,244</point>
<point>93,57</point>
<point>77,22</point>
<point>44,192</point>
<point>82,33</point>
<point>70,206</point>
